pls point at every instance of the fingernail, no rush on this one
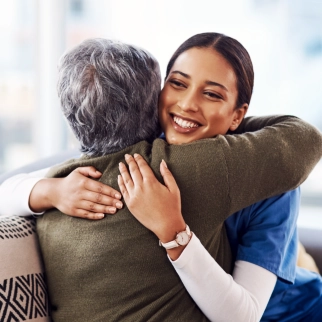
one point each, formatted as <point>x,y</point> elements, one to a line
<point>98,172</point>
<point>126,156</point>
<point>100,216</point>
<point>121,164</point>
<point>119,205</point>
<point>135,155</point>
<point>112,210</point>
<point>117,195</point>
<point>164,164</point>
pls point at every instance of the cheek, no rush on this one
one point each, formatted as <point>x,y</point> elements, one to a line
<point>167,97</point>
<point>162,101</point>
<point>218,121</point>
<point>162,112</point>
<point>215,116</point>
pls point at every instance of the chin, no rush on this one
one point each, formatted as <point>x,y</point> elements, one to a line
<point>178,141</point>
<point>172,140</point>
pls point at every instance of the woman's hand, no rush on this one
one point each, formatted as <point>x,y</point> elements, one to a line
<point>154,205</point>
<point>76,195</point>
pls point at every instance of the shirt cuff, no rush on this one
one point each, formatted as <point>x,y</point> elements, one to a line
<point>192,247</point>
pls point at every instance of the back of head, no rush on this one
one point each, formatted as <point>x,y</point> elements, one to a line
<point>109,95</point>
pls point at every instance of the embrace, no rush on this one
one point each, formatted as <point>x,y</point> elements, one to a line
<point>207,230</point>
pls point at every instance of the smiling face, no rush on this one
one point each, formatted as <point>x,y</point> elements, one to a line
<point>199,97</point>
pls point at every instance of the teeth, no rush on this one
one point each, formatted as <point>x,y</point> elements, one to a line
<point>183,123</point>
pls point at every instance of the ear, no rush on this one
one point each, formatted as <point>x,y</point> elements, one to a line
<point>238,117</point>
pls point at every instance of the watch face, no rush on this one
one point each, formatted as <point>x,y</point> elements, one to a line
<point>182,238</point>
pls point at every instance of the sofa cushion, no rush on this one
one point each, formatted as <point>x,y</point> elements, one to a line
<point>23,292</point>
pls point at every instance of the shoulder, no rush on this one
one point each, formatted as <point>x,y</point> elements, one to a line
<point>282,206</point>
<point>268,235</point>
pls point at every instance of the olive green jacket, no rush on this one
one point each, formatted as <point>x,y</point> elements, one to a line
<point>114,270</point>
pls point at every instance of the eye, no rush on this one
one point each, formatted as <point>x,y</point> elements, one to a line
<point>213,95</point>
<point>176,83</point>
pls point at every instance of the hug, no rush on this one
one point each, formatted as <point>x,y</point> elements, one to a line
<point>218,191</point>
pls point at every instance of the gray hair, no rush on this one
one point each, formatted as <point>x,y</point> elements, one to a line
<point>109,94</point>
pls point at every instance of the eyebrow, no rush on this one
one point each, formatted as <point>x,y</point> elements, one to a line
<point>207,82</point>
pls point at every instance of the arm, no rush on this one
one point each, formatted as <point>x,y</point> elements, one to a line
<point>264,157</point>
<point>257,239</point>
<point>276,157</point>
<point>257,123</point>
<point>75,195</point>
<point>15,191</point>
<point>157,207</point>
<point>145,195</point>
<point>215,292</point>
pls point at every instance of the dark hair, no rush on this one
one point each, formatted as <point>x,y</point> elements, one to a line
<point>109,94</point>
<point>235,54</point>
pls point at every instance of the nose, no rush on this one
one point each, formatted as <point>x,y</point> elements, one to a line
<point>188,102</point>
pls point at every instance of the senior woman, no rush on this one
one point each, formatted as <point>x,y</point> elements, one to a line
<point>221,92</point>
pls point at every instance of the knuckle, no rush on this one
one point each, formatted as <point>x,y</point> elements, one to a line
<point>72,210</point>
<point>133,168</point>
<point>91,206</point>
<point>140,160</point>
<point>123,169</point>
<point>130,161</point>
<point>99,197</point>
<point>86,214</point>
<point>80,214</point>
<point>122,189</point>
<point>149,180</point>
<point>82,182</point>
<point>143,165</point>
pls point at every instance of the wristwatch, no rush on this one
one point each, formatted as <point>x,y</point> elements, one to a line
<point>182,239</point>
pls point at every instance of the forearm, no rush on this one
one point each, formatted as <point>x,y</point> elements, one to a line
<point>40,198</point>
<point>216,292</point>
<point>271,160</point>
<point>15,192</point>
<point>257,123</point>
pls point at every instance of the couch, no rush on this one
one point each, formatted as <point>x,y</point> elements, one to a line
<point>23,290</point>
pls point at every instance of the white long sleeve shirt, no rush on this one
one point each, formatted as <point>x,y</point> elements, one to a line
<point>15,192</point>
<point>221,297</point>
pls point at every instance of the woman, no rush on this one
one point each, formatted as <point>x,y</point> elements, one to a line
<point>182,121</point>
<point>287,303</point>
<point>201,276</point>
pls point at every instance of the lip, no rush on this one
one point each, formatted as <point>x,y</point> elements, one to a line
<point>180,129</point>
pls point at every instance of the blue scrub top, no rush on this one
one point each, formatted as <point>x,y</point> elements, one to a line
<point>265,234</point>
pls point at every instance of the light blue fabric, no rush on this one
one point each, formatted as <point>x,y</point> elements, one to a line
<point>265,234</point>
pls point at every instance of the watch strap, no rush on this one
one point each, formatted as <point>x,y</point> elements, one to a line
<point>169,245</point>
<point>173,243</point>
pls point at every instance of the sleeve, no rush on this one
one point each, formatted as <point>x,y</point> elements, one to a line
<point>216,292</point>
<point>275,155</point>
<point>15,191</point>
<point>266,249</point>
<point>270,238</point>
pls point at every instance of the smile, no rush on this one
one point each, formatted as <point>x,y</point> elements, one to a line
<point>184,123</point>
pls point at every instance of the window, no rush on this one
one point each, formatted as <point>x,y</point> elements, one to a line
<point>284,39</point>
<point>17,86</point>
